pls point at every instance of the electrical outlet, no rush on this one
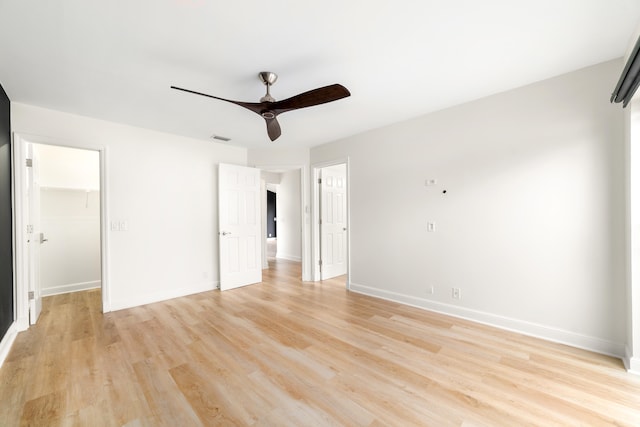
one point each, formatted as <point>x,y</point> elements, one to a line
<point>431,227</point>
<point>455,293</point>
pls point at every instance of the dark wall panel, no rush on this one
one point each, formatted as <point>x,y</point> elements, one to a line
<point>271,214</point>
<point>6,243</point>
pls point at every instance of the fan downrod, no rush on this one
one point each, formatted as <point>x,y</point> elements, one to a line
<point>268,78</point>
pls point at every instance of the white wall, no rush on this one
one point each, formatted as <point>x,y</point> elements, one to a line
<point>632,145</point>
<point>278,157</point>
<point>270,177</point>
<point>70,259</point>
<point>531,228</point>
<point>165,188</point>
<point>632,229</point>
<point>63,167</point>
<point>288,214</point>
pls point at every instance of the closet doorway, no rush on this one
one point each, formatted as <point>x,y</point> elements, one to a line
<point>68,181</point>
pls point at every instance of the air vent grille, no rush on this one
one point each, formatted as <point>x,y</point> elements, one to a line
<point>220,138</point>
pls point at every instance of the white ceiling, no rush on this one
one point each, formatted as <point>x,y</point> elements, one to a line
<point>116,59</point>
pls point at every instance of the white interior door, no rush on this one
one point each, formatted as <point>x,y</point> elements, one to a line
<point>333,216</point>
<point>34,233</point>
<point>239,225</point>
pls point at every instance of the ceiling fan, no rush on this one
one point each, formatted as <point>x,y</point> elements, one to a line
<point>269,108</point>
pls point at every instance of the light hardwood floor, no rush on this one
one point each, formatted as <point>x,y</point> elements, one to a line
<point>286,353</point>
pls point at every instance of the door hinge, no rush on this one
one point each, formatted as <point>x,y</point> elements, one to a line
<point>31,295</point>
<point>320,221</point>
<point>29,163</point>
<point>319,180</point>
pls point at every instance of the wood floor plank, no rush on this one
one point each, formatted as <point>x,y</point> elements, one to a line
<point>168,405</point>
<point>289,353</point>
<point>13,378</point>
<point>209,402</point>
<point>123,397</point>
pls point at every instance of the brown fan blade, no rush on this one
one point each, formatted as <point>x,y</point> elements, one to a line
<point>273,128</point>
<point>256,107</point>
<point>309,99</point>
<point>270,110</point>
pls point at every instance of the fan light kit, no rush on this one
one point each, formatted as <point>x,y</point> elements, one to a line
<point>269,108</point>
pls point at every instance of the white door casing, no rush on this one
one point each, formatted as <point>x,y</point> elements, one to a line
<point>23,235</point>
<point>239,226</point>
<point>34,233</point>
<point>333,227</point>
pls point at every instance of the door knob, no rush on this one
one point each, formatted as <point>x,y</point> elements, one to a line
<point>224,233</point>
<point>42,239</point>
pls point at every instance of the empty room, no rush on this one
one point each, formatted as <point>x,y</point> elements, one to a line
<point>320,214</point>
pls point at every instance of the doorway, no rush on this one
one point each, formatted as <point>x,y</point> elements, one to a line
<point>283,215</point>
<point>69,216</point>
<point>272,229</point>
<point>60,208</point>
<point>272,226</point>
<point>331,221</point>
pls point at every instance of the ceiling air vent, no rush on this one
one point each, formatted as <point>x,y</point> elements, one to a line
<point>220,138</point>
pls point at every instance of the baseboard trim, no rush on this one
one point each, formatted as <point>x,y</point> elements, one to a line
<point>71,287</point>
<point>634,365</point>
<point>22,323</point>
<point>163,296</point>
<point>289,257</point>
<point>631,364</point>
<point>7,342</point>
<point>510,324</point>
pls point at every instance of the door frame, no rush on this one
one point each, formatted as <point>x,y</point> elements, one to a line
<point>33,215</point>
<point>304,213</point>
<point>21,259</point>
<point>315,220</point>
